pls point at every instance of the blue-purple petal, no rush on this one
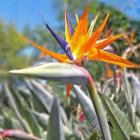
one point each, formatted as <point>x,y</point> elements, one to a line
<point>62,42</point>
<point>69,25</point>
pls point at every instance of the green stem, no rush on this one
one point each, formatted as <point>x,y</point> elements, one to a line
<point>99,109</point>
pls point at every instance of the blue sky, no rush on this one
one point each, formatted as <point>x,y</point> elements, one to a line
<point>21,12</point>
<point>129,7</point>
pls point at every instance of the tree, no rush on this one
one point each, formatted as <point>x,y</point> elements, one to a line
<point>11,46</point>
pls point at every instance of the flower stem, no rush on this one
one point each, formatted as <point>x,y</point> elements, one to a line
<point>99,109</point>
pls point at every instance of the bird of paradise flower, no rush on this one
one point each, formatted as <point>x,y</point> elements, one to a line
<point>81,43</point>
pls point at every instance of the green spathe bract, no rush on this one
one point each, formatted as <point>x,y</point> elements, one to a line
<point>61,72</point>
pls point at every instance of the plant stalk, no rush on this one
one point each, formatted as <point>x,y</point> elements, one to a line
<point>99,109</point>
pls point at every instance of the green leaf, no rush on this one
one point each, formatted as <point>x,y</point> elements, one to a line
<point>55,128</point>
<point>45,98</point>
<point>61,72</point>
<point>9,123</point>
<point>24,114</point>
<point>42,118</point>
<point>14,106</point>
<point>99,110</point>
<point>41,94</point>
<point>121,126</point>
<point>87,107</point>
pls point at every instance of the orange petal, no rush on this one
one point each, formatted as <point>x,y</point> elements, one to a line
<point>132,34</point>
<point>101,44</point>
<point>92,26</point>
<point>59,57</point>
<point>67,33</point>
<point>68,90</point>
<point>101,55</point>
<point>81,29</point>
<point>92,40</point>
<point>109,73</point>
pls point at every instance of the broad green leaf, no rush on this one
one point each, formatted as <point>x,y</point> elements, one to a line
<point>55,127</point>
<point>121,126</point>
<point>43,95</point>
<point>14,106</point>
<point>44,119</point>
<point>61,72</point>
<point>87,107</point>
<point>45,98</point>
<point>27,118</point>
<point>17,134</point>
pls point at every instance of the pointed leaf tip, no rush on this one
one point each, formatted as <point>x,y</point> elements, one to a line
<point>55,127</point>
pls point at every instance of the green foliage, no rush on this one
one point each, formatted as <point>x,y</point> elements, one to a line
<point>35,118</point>
<point>121,126</point>
<point>95,68</point>
<point>10,48</point>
